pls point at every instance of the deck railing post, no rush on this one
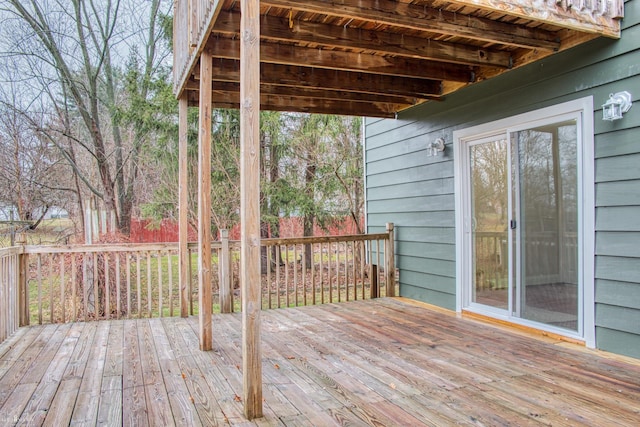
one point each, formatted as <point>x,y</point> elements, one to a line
<point>390,267</point>
<point>224,262</point>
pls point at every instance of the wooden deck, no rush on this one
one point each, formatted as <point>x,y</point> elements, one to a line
<point>383,362</point>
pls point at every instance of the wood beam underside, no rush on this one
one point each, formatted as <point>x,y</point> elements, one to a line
<point>374,58</point>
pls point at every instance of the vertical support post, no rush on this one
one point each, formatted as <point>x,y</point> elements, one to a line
<point>226,293</point>
<point>204,203</point>
<point>23,292</point>
<point>390,265</point>
<point>183,206</point>
<point>250,205</point>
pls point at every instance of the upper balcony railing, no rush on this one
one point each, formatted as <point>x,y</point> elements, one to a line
<point>192,22</point>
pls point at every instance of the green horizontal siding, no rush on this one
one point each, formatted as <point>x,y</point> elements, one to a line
<point>420,293</point>
<point>618,244</point>
<point>415,191</point>
<point>419,264</point>
<point>620,294</point>
<point>431,187</point>
<point>618,318</point>
<point>618,342</point>
<point>618,193</point>
<point>618,218</point>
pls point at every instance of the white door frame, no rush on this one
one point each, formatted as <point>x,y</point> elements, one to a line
<point>586,203</point>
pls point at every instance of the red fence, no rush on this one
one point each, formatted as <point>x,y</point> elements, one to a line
<point>289,227</point>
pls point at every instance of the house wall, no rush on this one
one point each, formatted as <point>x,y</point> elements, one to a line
<point>415,192</point>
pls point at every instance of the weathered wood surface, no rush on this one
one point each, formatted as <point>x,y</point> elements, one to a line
<point>64,286</point>
<point>204,203</point>
<point>383,56</point>
<point>382,362</point>
<point>13,297</point>
<point>250,281</point>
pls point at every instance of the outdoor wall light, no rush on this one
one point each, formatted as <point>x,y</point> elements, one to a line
<point>617,104</point>
<point>435,147</point>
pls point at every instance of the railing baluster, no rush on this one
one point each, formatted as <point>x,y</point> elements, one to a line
<point>160,302</point>
<point>329,273</point>
<point>295,273</point>
<point>313,273</point>
<point>118,284</point>
<point>50,261</point>
<point>268,287</point>
<point>107,288</point>
<point>139,284</point>
<point>321,273</point>
<point>39,269</point>
<point>96,282</point>
<point>170,273</point>
<point>74,287</point>
<point>286,274</point>
<point>346,270</point>
<point>338,282</point>
<point>62,285</point>
<point>278,274</point>
<point>304,273</point>
<point>378,267</point>
<point>128,267</point>
<point>149,307</point>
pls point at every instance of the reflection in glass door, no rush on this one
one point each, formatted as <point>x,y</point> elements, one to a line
<point>489,219</point>
<point>523,216</point>
<point>546,190</point>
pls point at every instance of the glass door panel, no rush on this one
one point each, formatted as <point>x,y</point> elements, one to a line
<point>489,218</point>
<point>546,191</point>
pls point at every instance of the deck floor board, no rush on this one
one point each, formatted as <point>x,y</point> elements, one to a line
<point>381,362</point>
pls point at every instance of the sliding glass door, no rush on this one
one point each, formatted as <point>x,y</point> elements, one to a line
<point>522,214</point>
<point>489,219</point>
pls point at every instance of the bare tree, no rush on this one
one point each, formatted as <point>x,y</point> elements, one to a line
<point>30,170</point>
<point>75,55</point>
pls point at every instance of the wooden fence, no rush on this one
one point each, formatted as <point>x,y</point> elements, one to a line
<point>67,283</point>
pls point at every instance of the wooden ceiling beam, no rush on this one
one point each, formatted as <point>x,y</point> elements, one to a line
<point>306,105</point>
<point>296,76</point>
<point>384,43</point>
<point>423,18</point>
<point>346,61</point>
<point>305,92</point>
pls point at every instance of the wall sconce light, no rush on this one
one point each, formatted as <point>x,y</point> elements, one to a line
<point>616,105</point>
<point>435,147</point>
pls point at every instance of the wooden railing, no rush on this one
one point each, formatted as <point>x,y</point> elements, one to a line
<point>71,283</point>
<point>191,22</point>
<point>12,291</point>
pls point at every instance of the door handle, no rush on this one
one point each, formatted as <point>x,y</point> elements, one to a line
<point>512,224</point>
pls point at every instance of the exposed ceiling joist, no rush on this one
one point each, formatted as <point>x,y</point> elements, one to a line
<point>346,61</point>
<point>383,43</point>
<point>372,57</point>
<point>298,76</point>
<point>424,18</point>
